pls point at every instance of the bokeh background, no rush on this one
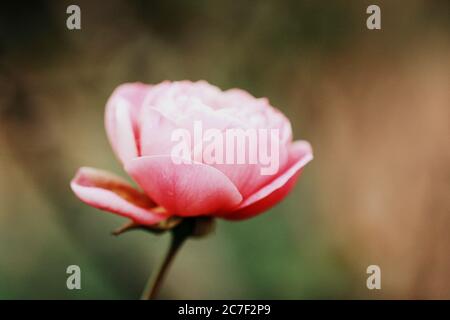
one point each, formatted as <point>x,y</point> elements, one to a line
<point>374,104</point>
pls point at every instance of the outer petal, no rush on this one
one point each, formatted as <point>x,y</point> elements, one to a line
<point>300,154</point>
<point>247,177</point>
<point>121,119</point>
<point>184,189</point>
<point>108,192</point>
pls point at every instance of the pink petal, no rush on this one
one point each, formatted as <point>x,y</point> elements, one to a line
<point>156,132</point>
<point>184,189</point>
<point>247,177</point>
<point>106,191</point>
<point>300,154</point>
<point>121,115</point>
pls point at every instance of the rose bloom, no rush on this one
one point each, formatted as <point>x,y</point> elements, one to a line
<point>140,120</point>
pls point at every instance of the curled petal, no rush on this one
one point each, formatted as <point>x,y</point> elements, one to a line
<point>300,154</point>
<point>121,115</point>
<point>106,191</point>
<point>184,189</point>
<point>247,177</point>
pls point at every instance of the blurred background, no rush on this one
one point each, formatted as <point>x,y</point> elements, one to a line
<point>374,104</point>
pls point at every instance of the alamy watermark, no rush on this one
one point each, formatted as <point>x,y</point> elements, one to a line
<point>73,21</point>
<point>373,21</point>
<point>374,280</point>
<point>229,146</point>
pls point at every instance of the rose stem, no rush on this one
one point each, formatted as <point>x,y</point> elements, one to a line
<point>178,236</point>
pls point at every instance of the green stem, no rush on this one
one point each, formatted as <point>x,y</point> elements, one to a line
<point>178,236</point>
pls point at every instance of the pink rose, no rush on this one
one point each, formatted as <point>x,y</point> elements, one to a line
<point>140,122</point>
